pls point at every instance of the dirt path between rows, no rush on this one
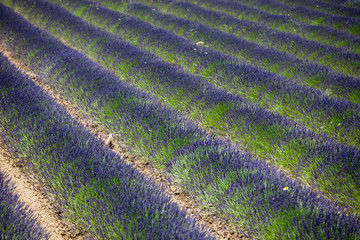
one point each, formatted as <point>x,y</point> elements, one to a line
<point>28,190</point>
<point>219,227</point>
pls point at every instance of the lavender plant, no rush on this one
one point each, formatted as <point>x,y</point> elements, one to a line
<point>110,101</point>
<point>87,174</point>
<point>335,58</point>
<point>309,74</point>
<point>292,100</point>
<point>236,184</point>
<point>16,220</point>
<point>285,23</point>
<point>320,6</point>
<point>94,187</point>
<point>346,24</point>
<point>346,3</point>
<point>272,137</point>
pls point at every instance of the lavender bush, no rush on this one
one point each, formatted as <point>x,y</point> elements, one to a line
<point>346,24</point>
<point>88,170</point>
<point>16,220</point>
<point>94,187</point>
<point>335,58</point>
<point>285,23</point>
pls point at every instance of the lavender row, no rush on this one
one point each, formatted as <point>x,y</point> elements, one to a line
<point>297,102</point>
<point>256,196</point>
<point>16,220</point>
<point>113,102</point>
<point>275,138</point>
<point>285,23</point>
<point>334,58</point>
<point>106,196</point>
<point>337,2</point>
<point>345,24</point>
<point>248,73</point>
<point>320,216</point>
<point>335,9</point>
<point>345,3</point>
<point>313,75</point>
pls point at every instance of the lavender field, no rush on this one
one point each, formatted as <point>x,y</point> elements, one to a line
<point>250,107</point>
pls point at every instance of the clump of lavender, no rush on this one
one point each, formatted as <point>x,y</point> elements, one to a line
<point>16,220</point>
<point>258,197</point>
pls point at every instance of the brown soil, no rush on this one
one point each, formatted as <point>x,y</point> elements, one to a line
<point>28,190</point>
<point>219,227</point>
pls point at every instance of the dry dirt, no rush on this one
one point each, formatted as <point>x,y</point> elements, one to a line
<point>28,190</point>
<point>41,205</point>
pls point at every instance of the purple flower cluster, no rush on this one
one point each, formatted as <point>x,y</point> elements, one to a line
<point>327,7</point>
<point>273,38</point>
<point>107,195</point>
<point>338,22</point>
<point>262,194</point>
<point>83,165</point>
<point>285,131</point>
<point>343,84</point>
<point>197,88</point>
<point>16,220</point>
<point>342,3</point>
<point>263,17</point>
<point>232,68</point>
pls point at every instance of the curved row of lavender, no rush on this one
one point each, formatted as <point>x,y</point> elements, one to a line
<point>303,72</point>
<point>284,142</point>
<point>240,186</point>
<point>285,23</point>
<point>333,57</point>
<point>345,3</point>
<point>308,106</point>
<point>16,220</point>
<point>342,23</point>
<point>337,9</point>
<point>330,176</point>
<point>93,186</point>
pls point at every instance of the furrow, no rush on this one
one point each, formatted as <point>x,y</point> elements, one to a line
<point>285,23</point>
<point>332,57</point>
<point>95,188</point>
<point>271,92</point>
<point>349,25</point>
<point>336,9</point>
<point>220,228</point>
<point>226,180</point>
<point>272,137</point>
<point>312,75</point>
<point>17,220</point>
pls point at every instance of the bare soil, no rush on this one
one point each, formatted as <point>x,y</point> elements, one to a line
<point>220,228</point>
<point>28,190</point>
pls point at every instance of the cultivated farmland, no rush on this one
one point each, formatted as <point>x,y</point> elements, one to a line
<point>249,108</point>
